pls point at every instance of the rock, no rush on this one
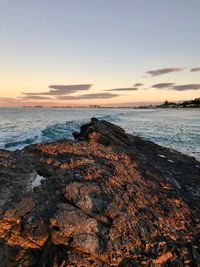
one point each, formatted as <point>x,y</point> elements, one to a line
<point>107,199</point>
<point>103,132</point>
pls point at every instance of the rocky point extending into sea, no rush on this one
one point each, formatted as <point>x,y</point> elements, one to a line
<point>105,199</point>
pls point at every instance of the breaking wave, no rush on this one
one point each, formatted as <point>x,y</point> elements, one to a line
<point>51,133</point>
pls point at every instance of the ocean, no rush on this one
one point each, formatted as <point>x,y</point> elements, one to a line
<point>178,129</point>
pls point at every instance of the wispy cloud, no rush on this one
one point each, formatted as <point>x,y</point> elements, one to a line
<point>186,87</point>
<point>138,84</point>
<point>162,85</point>
<point>163,71</point>
<point>10,102</point>
<point>62,90</point>
<point>35,97</point>
<point>195,69</point>
<point>88,96</point>
<point>124,89</point>
<point>172,86</point>
<point>68,89</point>
<point>8,99</point>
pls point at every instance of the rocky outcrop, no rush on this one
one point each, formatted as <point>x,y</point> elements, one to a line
<point>106,199</point>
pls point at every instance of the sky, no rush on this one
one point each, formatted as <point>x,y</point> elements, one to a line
<point>80,52</point>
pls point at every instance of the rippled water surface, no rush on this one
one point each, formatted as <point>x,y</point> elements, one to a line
<point>177,129</point>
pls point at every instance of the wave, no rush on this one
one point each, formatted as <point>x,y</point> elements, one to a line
<point>59,131</point>
<point>51,133</point>
<point>22,143</point>
<point>21,139</point>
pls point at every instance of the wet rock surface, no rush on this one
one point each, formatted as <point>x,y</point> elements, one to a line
<point>106,199</point>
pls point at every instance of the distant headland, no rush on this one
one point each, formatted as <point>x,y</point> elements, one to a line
<point>195,103</point>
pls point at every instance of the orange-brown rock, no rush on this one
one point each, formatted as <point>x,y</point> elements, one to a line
<point>107,199</point>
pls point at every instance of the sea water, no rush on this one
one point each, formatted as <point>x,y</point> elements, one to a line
<point>178,129</point>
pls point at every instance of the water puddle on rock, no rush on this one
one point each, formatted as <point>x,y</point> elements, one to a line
<point>37,181</point>
<point>162,156</point>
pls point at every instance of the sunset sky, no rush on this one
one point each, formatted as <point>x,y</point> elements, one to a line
<point>77,52</point>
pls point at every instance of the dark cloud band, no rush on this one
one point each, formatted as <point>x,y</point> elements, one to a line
<point>171,86</point>
<point>186,87</point>
<point>162,85</point>
<point>88,96</point>
<point>163,71</point>
<point>36,97</point>
<point>138,84</point>
<point>62,90</point>
<point>195,69</point>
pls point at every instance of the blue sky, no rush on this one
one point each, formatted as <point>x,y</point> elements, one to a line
<point>107,43</point>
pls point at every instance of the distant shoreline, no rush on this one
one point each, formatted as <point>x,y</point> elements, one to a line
<point>123,107</point>
<point>188,104</point>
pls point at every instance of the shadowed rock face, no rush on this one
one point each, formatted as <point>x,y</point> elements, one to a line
<point>107,199</point>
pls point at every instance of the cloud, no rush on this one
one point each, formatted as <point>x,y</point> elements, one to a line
<point>68,89</point>
<point>195,69</point>
<point>35,97</point>
<point>163,71</point>
<point>124,89</point>
<point>162,85</point>
<point>62,89</point>
<point>63,92</point>
<point>138,84</point>
<point>171,86</point>
<point>10,102</point>
<point>186,87</point>
<point>88,96</point>
<point>9,99</point>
